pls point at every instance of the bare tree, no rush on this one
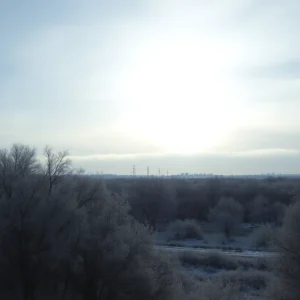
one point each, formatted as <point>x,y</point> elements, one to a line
<point>76,242</point>
<point>23,159</point>
<point>57,165</point>
<point>28,223</point>
<point>5,173</point>
<point>152,201</point>
<point>19,162</point>
<point>115,258</point>
<point>227,215</point>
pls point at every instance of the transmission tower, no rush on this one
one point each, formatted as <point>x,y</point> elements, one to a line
<point>133,170</point>
<point>148,171</point>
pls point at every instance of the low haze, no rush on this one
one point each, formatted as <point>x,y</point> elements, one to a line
<point>184,86</point>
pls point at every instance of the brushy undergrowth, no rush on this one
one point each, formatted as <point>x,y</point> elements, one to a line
<point>235,286</point>
<point>262,236</point>
<point>221,261</point>
<point>211,289</point>
<point>184,229</point>
<point>211,259</point>
<point>233,278</point>
<point>250,279</point>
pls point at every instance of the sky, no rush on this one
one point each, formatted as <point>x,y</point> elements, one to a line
<point>182,86</point>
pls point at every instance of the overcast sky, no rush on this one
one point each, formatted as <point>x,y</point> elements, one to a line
<point>184,86</point>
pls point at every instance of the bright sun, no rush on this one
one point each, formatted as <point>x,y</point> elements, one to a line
<point>180,95</point>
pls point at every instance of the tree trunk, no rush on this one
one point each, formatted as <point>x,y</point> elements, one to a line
<point>227,231</point>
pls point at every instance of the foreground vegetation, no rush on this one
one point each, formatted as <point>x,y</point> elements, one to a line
<point>64,235</point>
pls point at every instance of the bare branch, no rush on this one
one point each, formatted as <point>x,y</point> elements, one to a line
<point>57,165</point>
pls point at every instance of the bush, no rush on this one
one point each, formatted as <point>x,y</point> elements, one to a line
<point>260,263</point>
<point>261,236</point>
<point>221,261</point>
<point>213,289</point>
<point>210,259</point>
<point>184,229</point>
<point>250,279</point>
<point>234,284</point>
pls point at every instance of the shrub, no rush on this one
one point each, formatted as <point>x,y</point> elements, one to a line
<point>210,259</point>
<point>226,285</point>
<point>261,236</point>
<point>221,261</point>
<point>252,279</point>
<point>214,289</point>
<point>259,263</point>
<point>184,229</point>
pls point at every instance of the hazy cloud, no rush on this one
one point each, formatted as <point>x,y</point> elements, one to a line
<point>285,70</point>
<point>264,138</point>
<point>228,164</point>
<point>134,80</point>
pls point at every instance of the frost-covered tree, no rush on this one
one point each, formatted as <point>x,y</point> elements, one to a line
<point>152,201</point>
<point>227,215</point>
<point>57,165</point>
<point>16,163</point>
<point>287,267</point>
<point>77,241</point>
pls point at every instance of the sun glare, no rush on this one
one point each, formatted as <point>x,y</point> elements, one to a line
<point>181,95</point>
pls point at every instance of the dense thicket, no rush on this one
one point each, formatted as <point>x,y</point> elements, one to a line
<point>157,200</point>
<point>66,236</point>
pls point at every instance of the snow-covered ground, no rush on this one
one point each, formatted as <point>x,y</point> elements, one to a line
<point>241,242</point>
<point>246,253</point>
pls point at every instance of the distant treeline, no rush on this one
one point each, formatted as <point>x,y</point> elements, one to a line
<point>155,200</point>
